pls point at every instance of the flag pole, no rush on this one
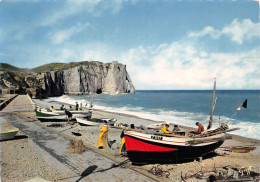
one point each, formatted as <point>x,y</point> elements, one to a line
<point>213,105</point>
<point>238,109</point>
<point>232,116</point>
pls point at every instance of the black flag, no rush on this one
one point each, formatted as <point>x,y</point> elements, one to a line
<point>245,104</point>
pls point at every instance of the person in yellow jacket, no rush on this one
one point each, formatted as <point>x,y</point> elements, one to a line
<point>122,147</point>
<point>165,129</point>
<point>103,134</point>
<point>52,108</point>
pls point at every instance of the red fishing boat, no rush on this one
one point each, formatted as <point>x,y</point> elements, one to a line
<point>158,147</point>
<point>149,146</point>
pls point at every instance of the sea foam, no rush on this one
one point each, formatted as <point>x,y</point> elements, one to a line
<point>247,128</point>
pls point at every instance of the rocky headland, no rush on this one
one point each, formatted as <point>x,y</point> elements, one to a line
<point>73,78</point>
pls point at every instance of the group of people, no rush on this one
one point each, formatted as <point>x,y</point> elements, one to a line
<point>104,134</point>
<point>104,129</point>
<point>165,129</point>
<point>67,112</point>
<point>176,129</point>
<point>62,107</point>
<point>103,137</point>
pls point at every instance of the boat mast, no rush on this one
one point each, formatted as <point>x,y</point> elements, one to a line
<point>213,105</point>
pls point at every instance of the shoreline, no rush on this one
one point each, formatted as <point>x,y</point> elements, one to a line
<point>222,158</point>
<point>237,137</point>
<point>217,161</point>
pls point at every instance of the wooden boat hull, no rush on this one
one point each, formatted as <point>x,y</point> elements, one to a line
<point>94,122</point>
<point>84,122</point>
<point>143,148</point>
<point>44,116</point>
<point>8,134</point>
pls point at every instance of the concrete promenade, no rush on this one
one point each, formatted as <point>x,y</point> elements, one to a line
<point>53,149</point>
<point>21,103</point>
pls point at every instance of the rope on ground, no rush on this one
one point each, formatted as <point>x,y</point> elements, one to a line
<point>91,170</point>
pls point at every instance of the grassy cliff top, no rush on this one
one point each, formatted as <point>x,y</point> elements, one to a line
<point>8,67</point>
<point>47,67</point>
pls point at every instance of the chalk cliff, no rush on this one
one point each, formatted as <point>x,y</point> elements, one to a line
<point>77,78</point>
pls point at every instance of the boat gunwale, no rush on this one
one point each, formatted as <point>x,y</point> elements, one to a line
<point>145,138</point>
<point>9,131</point>
<point>188,142</point>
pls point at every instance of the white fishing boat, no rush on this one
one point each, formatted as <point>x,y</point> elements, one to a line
<point>58,111</point>
<point>45,115</point>
<point>8,134</point>
<point>95,122</point>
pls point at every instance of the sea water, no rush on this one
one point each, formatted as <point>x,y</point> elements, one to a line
<point>183,107</point>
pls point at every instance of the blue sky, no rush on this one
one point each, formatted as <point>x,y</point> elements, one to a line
<point>165,44</point>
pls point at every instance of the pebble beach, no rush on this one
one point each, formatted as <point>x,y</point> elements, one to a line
<point>42,151</point>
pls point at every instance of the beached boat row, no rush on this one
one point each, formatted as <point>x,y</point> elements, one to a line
<point>44,114</point>
<point>83,117</point>
<point>148,145</point>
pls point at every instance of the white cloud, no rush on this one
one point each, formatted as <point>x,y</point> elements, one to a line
<point>92,7</point>
<point>238,31</point>
<point>179,65</point>
<point>69,8</point>
<point>60,36</point>
<point>183,66</point>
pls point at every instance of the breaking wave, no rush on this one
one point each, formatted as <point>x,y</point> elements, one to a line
<point>247,128</point>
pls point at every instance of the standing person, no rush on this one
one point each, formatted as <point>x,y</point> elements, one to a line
<point>103,135</point>
<point>77,106</point>
<point>69,116</point>
<point>123,148</point>
<point>81,106</point>
<point>165,129</point>
<point>200,128</point>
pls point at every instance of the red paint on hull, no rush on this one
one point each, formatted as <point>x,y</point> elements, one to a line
<point>137,145</point>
